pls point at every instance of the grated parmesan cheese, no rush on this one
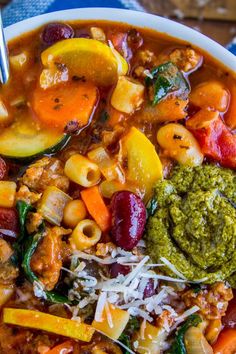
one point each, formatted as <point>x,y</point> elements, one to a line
<point>100,307</point>
<point>187,313</point>
<point>172,268</point>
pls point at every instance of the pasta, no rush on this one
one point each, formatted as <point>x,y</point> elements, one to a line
<point>85,235</point>
<point>82,171</point>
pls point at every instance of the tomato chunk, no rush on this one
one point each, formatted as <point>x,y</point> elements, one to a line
<point>216,141</point>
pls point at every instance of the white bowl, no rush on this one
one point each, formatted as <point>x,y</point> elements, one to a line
<point>134,18</point>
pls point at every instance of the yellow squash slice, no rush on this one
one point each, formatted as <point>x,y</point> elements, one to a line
<point>88,58</point>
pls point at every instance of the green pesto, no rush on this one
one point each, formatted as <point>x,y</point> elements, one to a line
<point>194,226</point>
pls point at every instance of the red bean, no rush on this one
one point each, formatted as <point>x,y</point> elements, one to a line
<point>149,290</point>
<point>82,33</point>
<point>3,169</point>
<point>128,219</point>
<point>229,320</point>
<point>117,269</point>
<point>134,39</point>
<point>8,219</point>
<point>54,32</point>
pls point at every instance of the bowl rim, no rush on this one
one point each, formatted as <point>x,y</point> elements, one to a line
<point>136,18</point>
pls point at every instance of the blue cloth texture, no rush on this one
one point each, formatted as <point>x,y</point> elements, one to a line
<point>19,10</point>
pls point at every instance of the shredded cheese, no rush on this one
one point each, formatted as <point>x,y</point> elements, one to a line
<point>172,267</point>
<point>100,307</point>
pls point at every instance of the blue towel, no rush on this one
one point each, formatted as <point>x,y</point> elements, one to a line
<point>18,10</point>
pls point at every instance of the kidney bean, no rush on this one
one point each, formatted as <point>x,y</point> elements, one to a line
<point>128,219</point>
<point>9,219</point>
<point>82,33</point>
<point>229,320</point>
<point>149,290</point>
<point>134,39</point>
<point>117,269</point>
<point>54,32</point>
<point>3,169</point>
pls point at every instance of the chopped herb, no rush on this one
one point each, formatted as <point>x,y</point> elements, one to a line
<point>58,106</point>
<point>177,137</point>
<point>79,78</point>
<point>166,78</point>
<point>104,117</point>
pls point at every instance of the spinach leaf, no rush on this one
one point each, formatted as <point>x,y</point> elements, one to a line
<point>125,339</point>
<point>132,326</point>
<point>30,247</point>
<point>178,346</point>
<point>166,78</point>
<point>23,210</point>
<point>26,245</point>
<point>151,207</point>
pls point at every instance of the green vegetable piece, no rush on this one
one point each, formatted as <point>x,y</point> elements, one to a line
<point>166,78</point>
<point>125,338</point>
<point>178,346</point>
<point>104,116</point>
<point>152,207</point>
<point>31,246</point>
<point>23,210</point>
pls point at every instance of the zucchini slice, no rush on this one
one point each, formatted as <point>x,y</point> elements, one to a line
<point>24,139</point>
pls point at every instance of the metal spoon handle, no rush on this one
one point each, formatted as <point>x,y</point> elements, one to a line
<point>4,61</point>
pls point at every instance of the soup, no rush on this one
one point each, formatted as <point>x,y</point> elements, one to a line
<point>117,194</point>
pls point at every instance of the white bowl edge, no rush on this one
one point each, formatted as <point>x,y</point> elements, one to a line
<point>135,18</point>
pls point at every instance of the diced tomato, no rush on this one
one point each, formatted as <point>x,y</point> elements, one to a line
<point>3,169</point>
<point>9,219</point>
<point>226,342</point>
<point>217,142</point>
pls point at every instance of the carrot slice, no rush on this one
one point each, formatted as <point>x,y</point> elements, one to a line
<point>226,342</point>
<point>96,207</point>
<point>68,102</point>
<point>63,348</point>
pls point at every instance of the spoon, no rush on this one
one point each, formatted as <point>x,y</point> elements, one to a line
<point>4,60</point>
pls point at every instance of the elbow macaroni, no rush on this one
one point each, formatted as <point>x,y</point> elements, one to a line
<point>82,171</point>
<point>85,235</point>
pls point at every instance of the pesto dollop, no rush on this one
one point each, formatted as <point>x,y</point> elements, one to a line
<point>194,226</point>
